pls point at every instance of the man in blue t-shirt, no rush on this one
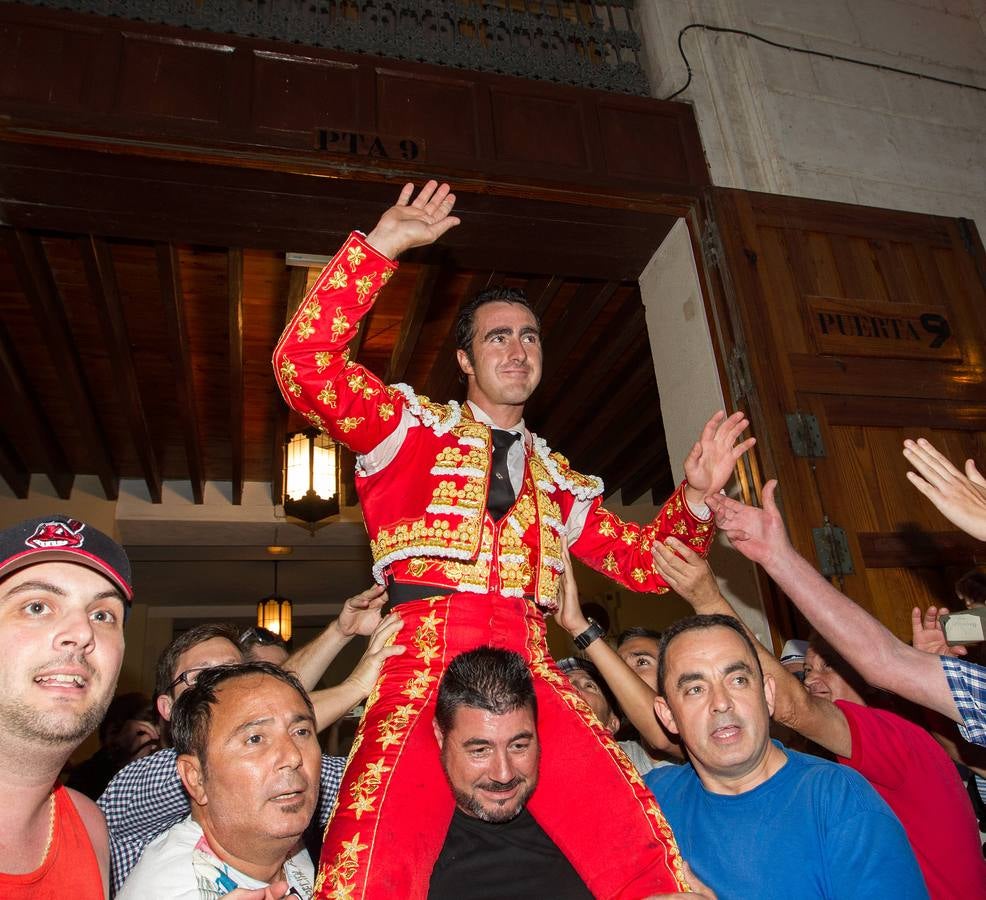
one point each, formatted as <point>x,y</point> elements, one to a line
<point>753,818</point>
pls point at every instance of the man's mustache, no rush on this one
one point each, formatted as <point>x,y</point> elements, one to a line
<point>497,787</point>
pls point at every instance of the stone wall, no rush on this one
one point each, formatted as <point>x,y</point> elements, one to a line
<point>785,122</point>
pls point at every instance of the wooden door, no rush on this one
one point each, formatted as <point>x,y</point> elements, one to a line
<point>874,323</point>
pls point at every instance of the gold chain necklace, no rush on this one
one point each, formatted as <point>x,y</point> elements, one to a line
<point>51,828</point>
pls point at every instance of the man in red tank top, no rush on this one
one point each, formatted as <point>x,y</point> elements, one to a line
<point>64,592</point>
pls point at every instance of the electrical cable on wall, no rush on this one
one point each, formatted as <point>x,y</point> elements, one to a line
<point>824,55</point>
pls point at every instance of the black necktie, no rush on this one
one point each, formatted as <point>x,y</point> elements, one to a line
<point>501,496</point>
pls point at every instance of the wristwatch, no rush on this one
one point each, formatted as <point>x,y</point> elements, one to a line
<point>595,630</point>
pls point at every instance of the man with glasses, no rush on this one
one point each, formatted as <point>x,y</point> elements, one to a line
<point>201,647</point>
<point>262,645</point>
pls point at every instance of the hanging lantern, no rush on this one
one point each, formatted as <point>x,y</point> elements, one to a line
<point>311,477</point>
<point>274,613</point>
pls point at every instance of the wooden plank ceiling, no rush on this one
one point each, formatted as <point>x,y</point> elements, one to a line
<point>133,357</point>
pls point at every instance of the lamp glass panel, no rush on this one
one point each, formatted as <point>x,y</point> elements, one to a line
<point>296,475</point>
<point>324,475</point>
<point>285,631</point>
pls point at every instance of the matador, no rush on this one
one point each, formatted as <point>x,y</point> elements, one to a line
<point>465,510</point>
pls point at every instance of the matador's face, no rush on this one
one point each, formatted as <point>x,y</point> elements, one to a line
<point>505,364</point>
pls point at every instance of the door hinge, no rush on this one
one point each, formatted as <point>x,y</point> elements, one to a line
<point>710,243</point>
<point>738,368</point>
<point>832,550</point>
<point>805,435</point>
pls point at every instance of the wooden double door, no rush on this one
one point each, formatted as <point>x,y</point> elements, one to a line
<point>844,330</point>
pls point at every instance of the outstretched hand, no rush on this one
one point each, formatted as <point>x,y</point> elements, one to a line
<point>569,614</point>
<point>927,634</point>
<point>758,534</point>
<point>686,573</point>
<point>414,223</point>
<point>361,614</point>
<point>960,498</point>
<point>367,670</point>
<point>712,460</point>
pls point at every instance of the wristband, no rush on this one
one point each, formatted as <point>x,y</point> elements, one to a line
<point>595,630</point>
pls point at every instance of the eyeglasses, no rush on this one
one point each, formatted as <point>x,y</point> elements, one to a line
<point>188,678</point>
<point>255,634</point>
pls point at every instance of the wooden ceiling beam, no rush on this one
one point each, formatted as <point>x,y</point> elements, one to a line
<point>234,300</point>
<point>542,291</point>
<point>14,472</point>
<point>589,301</point>
<point>22,406</point>
<point>169,277</point>
<point>445,371</point>
<point>97,261</point>
<point>602,425</point>
<point>414,317</point>
<point>648,476</point>
<point>606,454</point>
<point>38,283</point>
<point>595,378</point>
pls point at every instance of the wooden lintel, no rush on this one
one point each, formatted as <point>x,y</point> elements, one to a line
<point>234,294</point>
<point>414,318</point>
<point>169,277</point>
<point>101,275</point>
<point>38,283</point>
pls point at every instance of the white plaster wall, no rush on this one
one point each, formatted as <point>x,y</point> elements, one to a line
<point>783,122</point>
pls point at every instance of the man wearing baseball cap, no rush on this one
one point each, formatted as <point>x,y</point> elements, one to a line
<point>64,592</point>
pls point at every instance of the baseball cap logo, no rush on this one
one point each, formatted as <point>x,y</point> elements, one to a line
<point>57,535</point>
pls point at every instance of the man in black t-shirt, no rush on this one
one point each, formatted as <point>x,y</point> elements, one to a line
<point>486,727</point>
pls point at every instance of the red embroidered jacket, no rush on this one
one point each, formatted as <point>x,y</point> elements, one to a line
<point>425,510</point>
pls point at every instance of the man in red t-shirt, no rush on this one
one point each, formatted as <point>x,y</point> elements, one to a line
<point>64,591</point>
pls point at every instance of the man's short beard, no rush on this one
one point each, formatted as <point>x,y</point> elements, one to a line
<point>51,728</point>
<point>470,804</point>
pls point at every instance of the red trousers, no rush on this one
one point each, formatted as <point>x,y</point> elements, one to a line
<point>394,807</point>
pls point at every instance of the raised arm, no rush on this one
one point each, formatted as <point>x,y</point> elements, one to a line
<point>311,362</point>
<point>960,498</point>
<point>869,647</point>
<point>360,615</point>
<point>635,698</point>
<point>334,702</point>
<point>414,223</point>
<point>817,719</point>
<point>621,550</point>
<point>711,461</point>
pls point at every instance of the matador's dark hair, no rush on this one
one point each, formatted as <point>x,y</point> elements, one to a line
<point>465,322</point>
<point>690,624</point>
